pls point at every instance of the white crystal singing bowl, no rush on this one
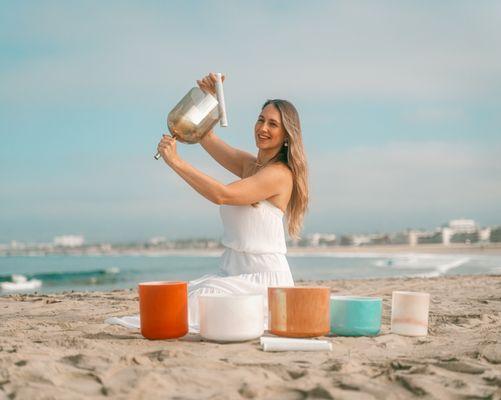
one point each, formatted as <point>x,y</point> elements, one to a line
<point>231,317</point>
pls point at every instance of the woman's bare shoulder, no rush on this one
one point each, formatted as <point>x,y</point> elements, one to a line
<point>282,167</point>
<point>279,169</point>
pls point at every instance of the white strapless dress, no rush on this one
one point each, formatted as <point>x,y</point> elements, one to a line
<point>253,259</point>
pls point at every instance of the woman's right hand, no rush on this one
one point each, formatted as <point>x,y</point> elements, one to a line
<point>208,83</point>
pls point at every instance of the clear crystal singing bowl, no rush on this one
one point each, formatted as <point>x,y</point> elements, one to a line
<point>196,114</point>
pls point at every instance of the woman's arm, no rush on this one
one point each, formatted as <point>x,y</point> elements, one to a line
<point>260,186</point>
<point>264,184</point>
<point>229,157</point>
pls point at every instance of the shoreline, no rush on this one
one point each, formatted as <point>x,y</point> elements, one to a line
<point>494,249</point>
<point>58,346</point>
<point>490,249</point>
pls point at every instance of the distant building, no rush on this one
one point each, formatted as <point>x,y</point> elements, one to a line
<point>484,235</point>
<point>213,244</point>
<point>463,225</point>
<point>315,239</point>
<point>69,241</point>
<point>14,244</point>
<point>463,231</point>
<point>322,239</point>
<point>157,240</point>
<point>456,231</point>
<point>424,237</point>
<point>106,247</point>
<point>399,238</point>
<point>360,240</point>
<point>447,234</point>
<point>413,238</point>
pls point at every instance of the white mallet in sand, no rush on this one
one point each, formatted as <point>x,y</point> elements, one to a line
<point>285,344</point>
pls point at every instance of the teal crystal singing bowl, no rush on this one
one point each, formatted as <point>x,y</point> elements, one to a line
<point>355,316</point>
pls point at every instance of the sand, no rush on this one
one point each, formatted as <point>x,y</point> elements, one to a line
<point>57,347</point>
<point>493,249</point>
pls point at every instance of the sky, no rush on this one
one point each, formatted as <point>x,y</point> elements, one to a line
<point>399,105</point>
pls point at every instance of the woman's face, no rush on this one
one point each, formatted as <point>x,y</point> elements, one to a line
<point>269,131</point>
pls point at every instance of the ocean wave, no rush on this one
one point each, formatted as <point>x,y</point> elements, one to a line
<point>335,255</point>
<point>438,264</point>
<point>18,283</point>
<point>27,281</point>
<point>421,256</point>
<point>495,270</point>
<point>442,269</point>
<point>183,253</point>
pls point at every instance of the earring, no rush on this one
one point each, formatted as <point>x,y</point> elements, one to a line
<point>286,143</point>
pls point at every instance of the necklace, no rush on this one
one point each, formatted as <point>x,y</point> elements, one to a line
<point>258,164</point>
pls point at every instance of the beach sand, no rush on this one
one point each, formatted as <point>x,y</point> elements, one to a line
<point>57,346</point>
<point>492,249</point>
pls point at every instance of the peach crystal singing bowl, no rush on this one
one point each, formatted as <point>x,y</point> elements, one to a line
<point>163,309</point>
<point>299,311</point>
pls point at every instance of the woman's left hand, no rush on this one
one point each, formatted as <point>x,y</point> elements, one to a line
<point>167,149</point>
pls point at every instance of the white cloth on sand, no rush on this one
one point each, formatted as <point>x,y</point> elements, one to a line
<point>253,259</point>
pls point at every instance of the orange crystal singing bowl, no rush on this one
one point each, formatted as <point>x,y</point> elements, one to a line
<point>163,309</point>
<point>299,311</point>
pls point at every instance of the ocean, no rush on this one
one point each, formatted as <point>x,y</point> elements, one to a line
<point>58,273</point>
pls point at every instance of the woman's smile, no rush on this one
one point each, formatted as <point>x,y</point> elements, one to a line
<point>262,136</point>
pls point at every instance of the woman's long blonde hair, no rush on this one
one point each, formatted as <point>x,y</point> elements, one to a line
<point>292,154</point>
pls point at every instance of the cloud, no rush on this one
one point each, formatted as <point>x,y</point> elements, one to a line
<point>70,61</point>
<point>405,184</point>
<point>433,114</point>
<point>387,188</point>
<point>130,198</point>
<point>112,53</point>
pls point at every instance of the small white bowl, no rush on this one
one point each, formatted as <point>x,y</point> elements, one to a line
<point>231,317</point>
<point>410,313</point>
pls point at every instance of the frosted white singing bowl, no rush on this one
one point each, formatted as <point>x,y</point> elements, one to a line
<point>409,313</point>
<point>231,317</point>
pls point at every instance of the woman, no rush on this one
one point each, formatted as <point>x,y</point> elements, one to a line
<point>271,185</point>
